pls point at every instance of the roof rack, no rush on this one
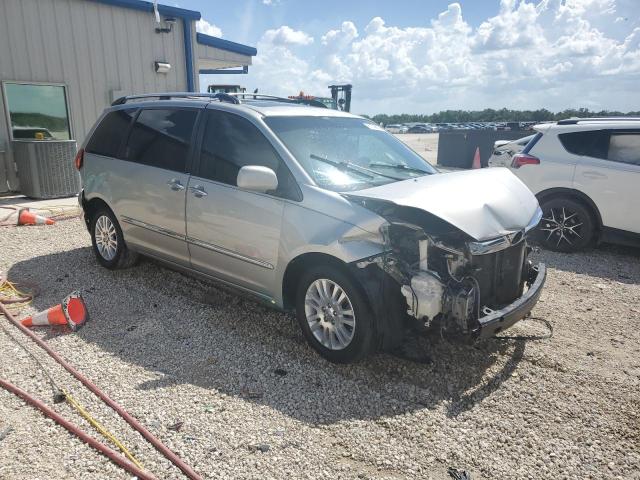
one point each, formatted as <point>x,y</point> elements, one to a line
<point>259,96</point>
<point>234,98</point>
<point>574,121</point>
<point>221,97</point>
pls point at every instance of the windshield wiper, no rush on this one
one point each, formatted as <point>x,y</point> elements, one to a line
<point>399,167</point>
<point>354,168</point>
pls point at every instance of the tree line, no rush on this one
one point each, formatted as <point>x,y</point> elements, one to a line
<point>38,120</point>
<point>491,115</point>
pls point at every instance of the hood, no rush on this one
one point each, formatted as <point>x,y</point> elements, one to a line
<point>483,203</point>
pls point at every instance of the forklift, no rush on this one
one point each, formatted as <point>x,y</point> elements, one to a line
<point>341,95</point>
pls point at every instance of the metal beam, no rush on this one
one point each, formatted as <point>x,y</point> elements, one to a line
<point>223,71</point>
<point>227,45</point>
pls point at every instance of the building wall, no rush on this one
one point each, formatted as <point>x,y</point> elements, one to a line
<point>211,57</point>
<point>98,51</point>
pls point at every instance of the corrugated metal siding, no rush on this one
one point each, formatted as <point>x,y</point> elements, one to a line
<point>211,57</point>
<point>90,47</point>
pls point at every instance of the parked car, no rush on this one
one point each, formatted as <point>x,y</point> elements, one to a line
<point>585,173</point>
<point>311,210</point>
<point>503,150</point>
<point>419,129</point>
<point>396,128</point>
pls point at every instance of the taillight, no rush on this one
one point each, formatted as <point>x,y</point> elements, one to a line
<point>521,159</point>
<point>79,158</point>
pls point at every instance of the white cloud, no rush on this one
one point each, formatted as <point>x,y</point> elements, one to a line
<point>287,36</point>
<point>549,53</point>
<point>207,28</point>
<point>280,67</point>
<point>347,33</point>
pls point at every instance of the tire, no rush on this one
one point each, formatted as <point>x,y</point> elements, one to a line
<point>108,242</point>
<point>341,338</point>
<point>566,225</point>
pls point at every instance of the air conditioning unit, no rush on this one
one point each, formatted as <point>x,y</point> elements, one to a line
<point>45,168</point>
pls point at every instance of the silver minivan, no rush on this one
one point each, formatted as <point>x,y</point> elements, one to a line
<point>312,210</point>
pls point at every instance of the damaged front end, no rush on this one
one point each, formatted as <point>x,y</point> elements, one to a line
<point>446,280</point>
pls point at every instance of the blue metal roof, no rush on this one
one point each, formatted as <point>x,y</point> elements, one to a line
<point>226,45</point>
<point>165,10</point>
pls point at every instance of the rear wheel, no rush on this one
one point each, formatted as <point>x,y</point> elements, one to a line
<point>334,315</point>
<point>108,241</point>
<point>566,225</point>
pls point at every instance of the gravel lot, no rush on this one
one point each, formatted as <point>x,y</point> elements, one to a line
<point>256,402</point>
<point>425,144</point>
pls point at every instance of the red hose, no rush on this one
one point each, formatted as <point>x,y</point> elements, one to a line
<point>177,461</point>
<point>112,454</point>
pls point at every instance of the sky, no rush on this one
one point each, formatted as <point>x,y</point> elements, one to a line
<point>412,56</point>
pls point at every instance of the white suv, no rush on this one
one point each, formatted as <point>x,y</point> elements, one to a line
<point>586,176</point>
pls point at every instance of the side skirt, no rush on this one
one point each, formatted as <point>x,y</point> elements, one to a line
<point>236,289</point>
<point>620,237</point>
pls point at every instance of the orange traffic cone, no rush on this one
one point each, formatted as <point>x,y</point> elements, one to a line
<point>71,312</point>
<point>476,159</point>
<point>28,218</point>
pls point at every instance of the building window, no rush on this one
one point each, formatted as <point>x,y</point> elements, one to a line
<point>37,112</point>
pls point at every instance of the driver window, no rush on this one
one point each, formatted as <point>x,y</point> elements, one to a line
<point>231,142</point>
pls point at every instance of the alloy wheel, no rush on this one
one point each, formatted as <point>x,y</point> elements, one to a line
<point>561,225</point>
<point>330,314</point>
<point>106,237</point>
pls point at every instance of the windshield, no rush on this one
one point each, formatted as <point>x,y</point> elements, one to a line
<point>345,154</point>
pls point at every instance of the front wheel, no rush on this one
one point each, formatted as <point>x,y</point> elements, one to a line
<point>566,225</point>
<point>334,315</point>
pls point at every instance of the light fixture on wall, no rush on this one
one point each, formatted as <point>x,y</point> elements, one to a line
<point>169,22</point>
<point>162,67</point>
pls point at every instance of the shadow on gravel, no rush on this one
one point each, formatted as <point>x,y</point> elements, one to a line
<point>597,262</point>
<point>185,331</point>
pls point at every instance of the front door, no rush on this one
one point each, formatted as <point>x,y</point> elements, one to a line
<point>234,234</point>
<point>153,182</point>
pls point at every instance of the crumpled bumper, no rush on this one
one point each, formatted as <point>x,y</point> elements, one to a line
<point>499,320</point>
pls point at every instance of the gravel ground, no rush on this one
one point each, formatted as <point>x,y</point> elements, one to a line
<point>425,144</point>
<point>256,402</point>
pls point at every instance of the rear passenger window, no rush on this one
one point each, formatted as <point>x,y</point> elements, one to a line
<point>625,147</point>
<point>590,143</point>
<point>110,133</point>
<point>231,142</point>
<point>161,138</point>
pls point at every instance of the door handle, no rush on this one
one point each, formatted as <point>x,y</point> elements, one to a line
<point>592,174</point>
<point>175,185</point>
<point>198,191</point>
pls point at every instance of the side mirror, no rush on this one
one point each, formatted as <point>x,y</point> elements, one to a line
<point>257,179</point>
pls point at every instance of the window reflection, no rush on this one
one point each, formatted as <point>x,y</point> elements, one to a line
<point>37,111</point>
